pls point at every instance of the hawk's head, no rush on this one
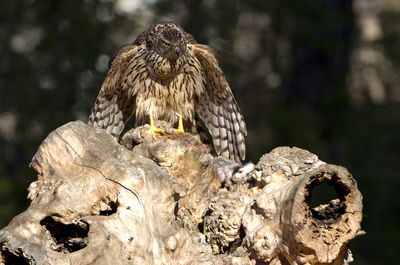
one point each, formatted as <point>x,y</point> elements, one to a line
<point>169,40</point>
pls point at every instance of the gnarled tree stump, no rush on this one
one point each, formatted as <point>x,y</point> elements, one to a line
<point>97,202</point>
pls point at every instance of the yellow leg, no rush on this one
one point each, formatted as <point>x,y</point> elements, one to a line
<point>153,129</point>
<point>180,125</point>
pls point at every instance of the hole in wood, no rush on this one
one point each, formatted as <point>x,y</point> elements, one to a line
<point>202,227</point>
<point>234,245</point>
<point>68,237</point>
<point>112,208</point>
<point>326,198</point>
<point>10,258</point>
<point>320,194</point>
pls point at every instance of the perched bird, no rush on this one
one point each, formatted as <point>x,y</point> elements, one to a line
<point>166,75</point>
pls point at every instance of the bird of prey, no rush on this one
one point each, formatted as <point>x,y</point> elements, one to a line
<point>166,75</point>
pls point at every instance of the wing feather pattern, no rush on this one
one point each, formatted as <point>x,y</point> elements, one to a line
<point>218,108</point>
<point>114,105</point>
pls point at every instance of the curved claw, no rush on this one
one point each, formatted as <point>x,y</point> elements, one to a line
<point>153,130</point>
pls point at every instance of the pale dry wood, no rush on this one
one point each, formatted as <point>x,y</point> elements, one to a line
<point>97,202</point>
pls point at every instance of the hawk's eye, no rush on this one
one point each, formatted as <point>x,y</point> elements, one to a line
<point>166,44</point>
<point>183,42</point>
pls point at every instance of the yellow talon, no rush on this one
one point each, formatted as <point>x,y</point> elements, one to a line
<point>180,125</point>
<point>153,130</point>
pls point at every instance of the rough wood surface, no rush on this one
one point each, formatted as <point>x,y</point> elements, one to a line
<point>98,202</point>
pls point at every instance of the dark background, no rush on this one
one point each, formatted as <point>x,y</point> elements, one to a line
<point>323,75</point>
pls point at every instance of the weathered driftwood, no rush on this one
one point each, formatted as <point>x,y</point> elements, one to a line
<point>96,202</point>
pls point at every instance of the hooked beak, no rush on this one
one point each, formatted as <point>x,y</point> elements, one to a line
<point>177,50</point>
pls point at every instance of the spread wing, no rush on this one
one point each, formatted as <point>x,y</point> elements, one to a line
<point>114,104</point>
<point>218,108</point>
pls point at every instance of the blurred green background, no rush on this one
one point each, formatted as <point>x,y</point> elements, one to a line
<point>323,75</point>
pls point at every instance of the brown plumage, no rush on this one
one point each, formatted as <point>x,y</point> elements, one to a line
<point>167,73</point>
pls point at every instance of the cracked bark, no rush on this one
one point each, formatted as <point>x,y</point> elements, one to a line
<point>98,202</point>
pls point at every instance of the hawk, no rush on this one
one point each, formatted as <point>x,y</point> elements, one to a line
<point>166,75</point>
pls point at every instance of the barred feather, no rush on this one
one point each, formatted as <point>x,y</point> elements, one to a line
<point>143,78</point>
<point>218,108</point>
